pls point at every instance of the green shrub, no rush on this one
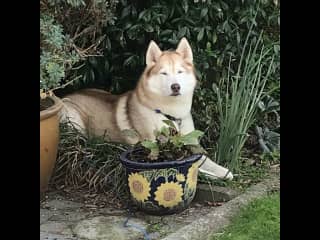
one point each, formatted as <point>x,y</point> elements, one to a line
<point>56,57</point>
<point>70,31</point>
<point>215,30</point>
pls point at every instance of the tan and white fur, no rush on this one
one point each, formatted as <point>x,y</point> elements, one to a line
<point>167,84</point>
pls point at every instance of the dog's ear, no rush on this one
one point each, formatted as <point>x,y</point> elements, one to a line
<point>184,49</point>
<point>153,53</point>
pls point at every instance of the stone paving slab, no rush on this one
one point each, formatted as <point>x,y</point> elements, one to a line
<point>110,227</point>
<point>62,219</point>
<point>56,227</point>
<point>45,215</point>
<point>52,236</point>
<point>106,223</point>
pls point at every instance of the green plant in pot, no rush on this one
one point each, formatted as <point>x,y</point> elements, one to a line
<point>55,60</point>
<point>162,174</point>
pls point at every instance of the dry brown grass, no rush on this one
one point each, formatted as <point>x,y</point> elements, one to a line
<point>89,164</point>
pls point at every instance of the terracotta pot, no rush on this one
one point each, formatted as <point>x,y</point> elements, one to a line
<point>49,140</point>
<point>162,188</point>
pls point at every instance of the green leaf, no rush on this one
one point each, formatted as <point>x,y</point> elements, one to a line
<point>191,138</point>
<point>228,46</point>
<point>182,32</point>
<point>148,28</point>
<point>166,32</point>
<point>197,149</point>
<point>190,21</point>
<point>224,5</point>
<point>226,27</point>
<point>219,61</point>
<point>214,37</point>
<point>134,11</point>
<point>238,38</point>
<point>276,48</point>
<point>261,106</point>
<point>106,65</point>
<point>185,6</point>
<point>129,60</point>
<point>200,35</point>
<point>244,19</point>
<point>149,144</point>
<point>142,14</point>
<point>108,43</point>
<point>204,12</point>
<point>133,32</point>
<point>126,11</point>
<point>127,25</point>
<point>165,131</point>
<point>153,147</point>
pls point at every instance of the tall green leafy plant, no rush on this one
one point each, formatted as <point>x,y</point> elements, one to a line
<point>238,107</point>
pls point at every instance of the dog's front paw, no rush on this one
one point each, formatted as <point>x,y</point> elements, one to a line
<point>214,171</point>
<point>214,175</point>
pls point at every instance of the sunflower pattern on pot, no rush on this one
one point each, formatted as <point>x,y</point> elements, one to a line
<point>169,194</point>
<point>192,176</point>
<point>162,190</point>
<point>139,187</point>
<point>180,177</point>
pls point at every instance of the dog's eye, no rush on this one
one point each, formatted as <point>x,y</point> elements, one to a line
<point>164,73</point>
<point>179,72</point>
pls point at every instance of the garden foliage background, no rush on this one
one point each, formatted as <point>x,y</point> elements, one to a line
<point>102,43</point>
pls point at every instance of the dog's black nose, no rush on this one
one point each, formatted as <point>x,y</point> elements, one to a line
<point>175,87</point>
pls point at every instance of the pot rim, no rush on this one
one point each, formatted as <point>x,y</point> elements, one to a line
<point>156,165</point>
<point>53,110</point>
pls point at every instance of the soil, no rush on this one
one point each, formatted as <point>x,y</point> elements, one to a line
<point>141,154</point>
<point>45,103</point>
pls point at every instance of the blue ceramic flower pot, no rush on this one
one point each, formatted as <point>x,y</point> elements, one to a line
<point>161,188</point>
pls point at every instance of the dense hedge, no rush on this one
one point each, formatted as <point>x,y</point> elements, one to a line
<point>215,29</point>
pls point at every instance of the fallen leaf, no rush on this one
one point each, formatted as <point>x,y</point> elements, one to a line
<point>214,204</point>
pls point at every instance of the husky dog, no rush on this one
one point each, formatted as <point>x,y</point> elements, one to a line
<point>164,91</point>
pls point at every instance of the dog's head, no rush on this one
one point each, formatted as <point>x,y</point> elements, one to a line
<point>170,73</point>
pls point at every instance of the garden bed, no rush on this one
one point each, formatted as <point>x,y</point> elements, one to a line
<point>88,170</point>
